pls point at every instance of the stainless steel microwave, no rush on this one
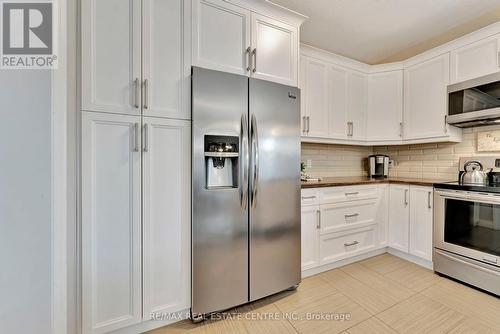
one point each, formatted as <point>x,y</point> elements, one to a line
<point>475,102</point>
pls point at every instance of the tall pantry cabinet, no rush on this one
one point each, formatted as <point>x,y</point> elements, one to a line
<point>135,224</point>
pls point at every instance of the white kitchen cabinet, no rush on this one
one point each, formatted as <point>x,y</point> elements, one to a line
<point>337,102</point>
<point>166,66</point>
<point>166,215</point>
<point>399,217</point>
<point>242,38</point>
<point>317,116</point>
<point>221,36</point>
<point>383,215</point>
<point>357,94</point>
<point>111,222</point>
<point>310,216</point>
<point>111,56</point>
<point>274,50</point>
<point>425,97</point>
<point>136,57</point>
<point>421,217</point>
<point>385,106</point>
<point>475,60</point>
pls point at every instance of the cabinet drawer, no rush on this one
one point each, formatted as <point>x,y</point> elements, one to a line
<point>337,246</point>
<point>347,215</point>
<point>346,194</point>
<point>309,197</point>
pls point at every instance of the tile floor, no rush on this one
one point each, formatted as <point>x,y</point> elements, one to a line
<point>383,294</point>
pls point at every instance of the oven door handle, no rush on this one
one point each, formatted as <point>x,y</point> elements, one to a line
<point>469,197</point>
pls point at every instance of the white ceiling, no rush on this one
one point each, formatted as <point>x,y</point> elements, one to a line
<point>373,30</point>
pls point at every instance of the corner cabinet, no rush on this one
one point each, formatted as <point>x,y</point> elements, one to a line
<point>136,57</point>
<point>385,106</point>
<point>235,37</point>
<point>425,97</point>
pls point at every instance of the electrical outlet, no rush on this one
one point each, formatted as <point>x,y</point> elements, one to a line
<point>392,163</point>
<point>309,163</point>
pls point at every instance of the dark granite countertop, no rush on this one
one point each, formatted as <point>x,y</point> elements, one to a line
<point>358,180</point>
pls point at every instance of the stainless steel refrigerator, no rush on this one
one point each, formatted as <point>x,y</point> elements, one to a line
<point>245,190</point>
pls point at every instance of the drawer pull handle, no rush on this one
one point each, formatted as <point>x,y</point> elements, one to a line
<point>354,243</point>
<point>308,197</point>
<point>318,223</point>
<point>352,194</point>
<point>351,216</point>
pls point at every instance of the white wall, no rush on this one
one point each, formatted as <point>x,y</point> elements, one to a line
<point>25,202</point>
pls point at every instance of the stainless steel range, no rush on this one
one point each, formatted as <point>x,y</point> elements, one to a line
<point>467,227</point>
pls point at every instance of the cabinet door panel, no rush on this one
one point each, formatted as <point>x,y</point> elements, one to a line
<point>111,55</point>
<point>310,237</point>
<point>221,35</point>
<point>385,106</point>
<point>421,217</point>
<point>425,98</point>
<point>337,102</point>
<point>166,62</point>
<point>399,217</point>
<point>475,60</point>
<point>276,57</point>
<point>357,92</point>
<point>166,215</point>
<point>111,222</point>
<point>317,98</point>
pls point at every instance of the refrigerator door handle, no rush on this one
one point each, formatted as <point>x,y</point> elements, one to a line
<point>255,159</point>
<point>244,156</point>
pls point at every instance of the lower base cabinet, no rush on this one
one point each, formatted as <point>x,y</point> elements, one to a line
<point>410,220</point>
<point>135,219</point>
<point>339,223</point>
<point>310,236</point>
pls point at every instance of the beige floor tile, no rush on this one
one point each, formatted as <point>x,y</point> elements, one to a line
<point>266,319</point>
<point>414,277</point>
<point>371,326</point>
<point>311,289</point>
<point>471,326</point>
<point>369,298</point>
<point>392,291</point>
<point>335,305</point>
<point>471,302</point>
<point>179,327</point>
<point>420,314</point>
<point>384,263</point>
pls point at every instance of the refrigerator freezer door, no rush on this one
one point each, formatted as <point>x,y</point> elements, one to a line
<point>274,188</point>
<point>220,216</point>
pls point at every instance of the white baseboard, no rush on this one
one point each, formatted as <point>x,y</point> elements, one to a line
<point>152,324</point>
<point>392,251</point>
<point>333,265</point>
<point>412,258</point>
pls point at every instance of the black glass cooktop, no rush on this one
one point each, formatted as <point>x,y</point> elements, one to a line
<point>468,187</point>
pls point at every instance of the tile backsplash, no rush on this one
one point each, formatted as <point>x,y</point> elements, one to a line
<point>335,160</point>
<point>435,161</point>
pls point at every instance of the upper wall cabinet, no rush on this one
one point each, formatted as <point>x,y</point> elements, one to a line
<point>357,93</point>
<point>233,38</point>
<point>475,60</point>
<point>324,94</point>
<point>136,57</point>
<point>385,106</point>
<point>111,56</point>
<point>221,36</point>
<point>425,98</point>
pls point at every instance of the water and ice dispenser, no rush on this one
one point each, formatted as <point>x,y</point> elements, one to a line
<point>221,161</point>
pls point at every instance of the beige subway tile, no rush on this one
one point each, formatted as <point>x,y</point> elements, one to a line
<point>423,157</point>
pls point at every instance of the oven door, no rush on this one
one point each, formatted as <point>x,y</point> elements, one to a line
<point>468,224</point>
